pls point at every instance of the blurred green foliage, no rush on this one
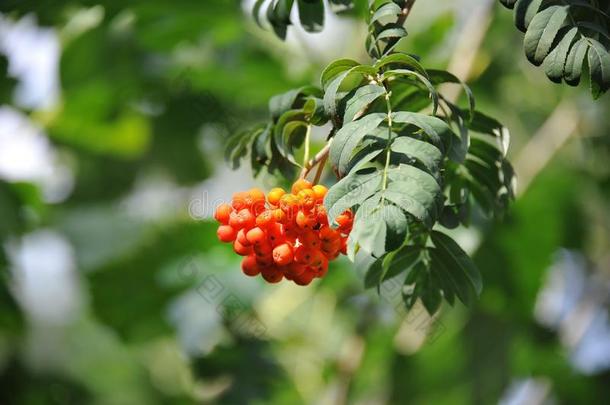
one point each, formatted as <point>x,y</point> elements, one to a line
<point>151,90</point>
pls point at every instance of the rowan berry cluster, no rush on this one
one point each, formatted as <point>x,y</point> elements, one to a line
<point>283,235</point>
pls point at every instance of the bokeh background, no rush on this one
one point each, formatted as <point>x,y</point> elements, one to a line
<point>114,289</point>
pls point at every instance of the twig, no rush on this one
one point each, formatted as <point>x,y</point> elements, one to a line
<point>545,143</point>
<point>468,45</point>
<point>406,10</point>
<point>320,157</point>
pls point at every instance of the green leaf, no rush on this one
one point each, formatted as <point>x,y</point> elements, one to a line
<point>425,153</point>
<point>404,73</point>
<point>398,61</point>
<point>542,31</point>
<point>525,10</point>
<point>560,36</point>
<point>281,103</point>
<point>440,76</point>
<point>330,95</point>
<point>311,15</point>
<point>574,62</point>
<point>350,191</point>
<point>401,261</point>
<point>372,277</point>
<point>457,260</point>
<point>430,292</point>
<point>599,65</point>
<point>379,227</point>
<point>415,191</point>
<point>361,99</point>
<point>554,64</point>
<point>334,69</point>
<point>348,138</point>
<point>389,9</point>
<point>439,133</point>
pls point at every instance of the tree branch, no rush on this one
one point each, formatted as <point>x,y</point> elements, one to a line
<point>322,156</point>
<point>406,10</point>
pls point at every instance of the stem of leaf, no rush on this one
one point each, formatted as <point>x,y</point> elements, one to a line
<point>384,183</point>
<point>319,159</point>
<point>307,142</point>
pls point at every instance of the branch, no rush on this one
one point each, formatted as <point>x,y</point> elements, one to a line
<point>468,45</point>
<point>322,156</point>
<point>406,10</point>
<point>546,142</point>
<point>319,158</point>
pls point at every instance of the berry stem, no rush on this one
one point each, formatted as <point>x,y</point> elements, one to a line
<point>384,183</point>
<point>307,141</point>
<point>319,158</point>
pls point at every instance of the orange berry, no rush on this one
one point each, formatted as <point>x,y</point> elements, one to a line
<point>310,239</point>
<point>321,215</point>
<point>289,203</point>
<point>239,201</point>
<point>226,233</point>
<point>344,220</point>
<point>319,191</point>
<point>263,249</point>
<point>256,194</point>
<point>241,249</point>
<point>246,219</point>
<point>343,246</point>
<point>307,198</point>
<point>222,213</point>
<point>256,236</point>
<point>305,220</point>
<point>265,218</point>
<point>234,220</point>
<point>279,215</point>
<point>241,237</point>
<point>282,254</point>
<point>318,259</point>
<point>304,255</point>
<point>272,274</point>
<point>255,199</point>
<point>265,261</point>
<point>331,246</point>
<point>274,195</point>
<point>276,234</point>
<point>328,234</point>
<point>321,270</point>
<point>249,266</point>
<point>300,184</point>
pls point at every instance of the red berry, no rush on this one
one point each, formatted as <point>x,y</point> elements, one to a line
<point>294,269</point>
<point>256,236</point>
<point>246,218</point>
<point>241,237</point>
<point>304,278</point>
<point>310,239</point>
<point>272,274</point>
<point>305,220</point>
<point>249,266</point>
<point>226,233</point>
<point>282,254</point>
<point>276,234</point>
<point>265,218</point>
<point>241,249</point>
<point>239,201</point>
<point>304,255</point>
<point>222,213</point>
